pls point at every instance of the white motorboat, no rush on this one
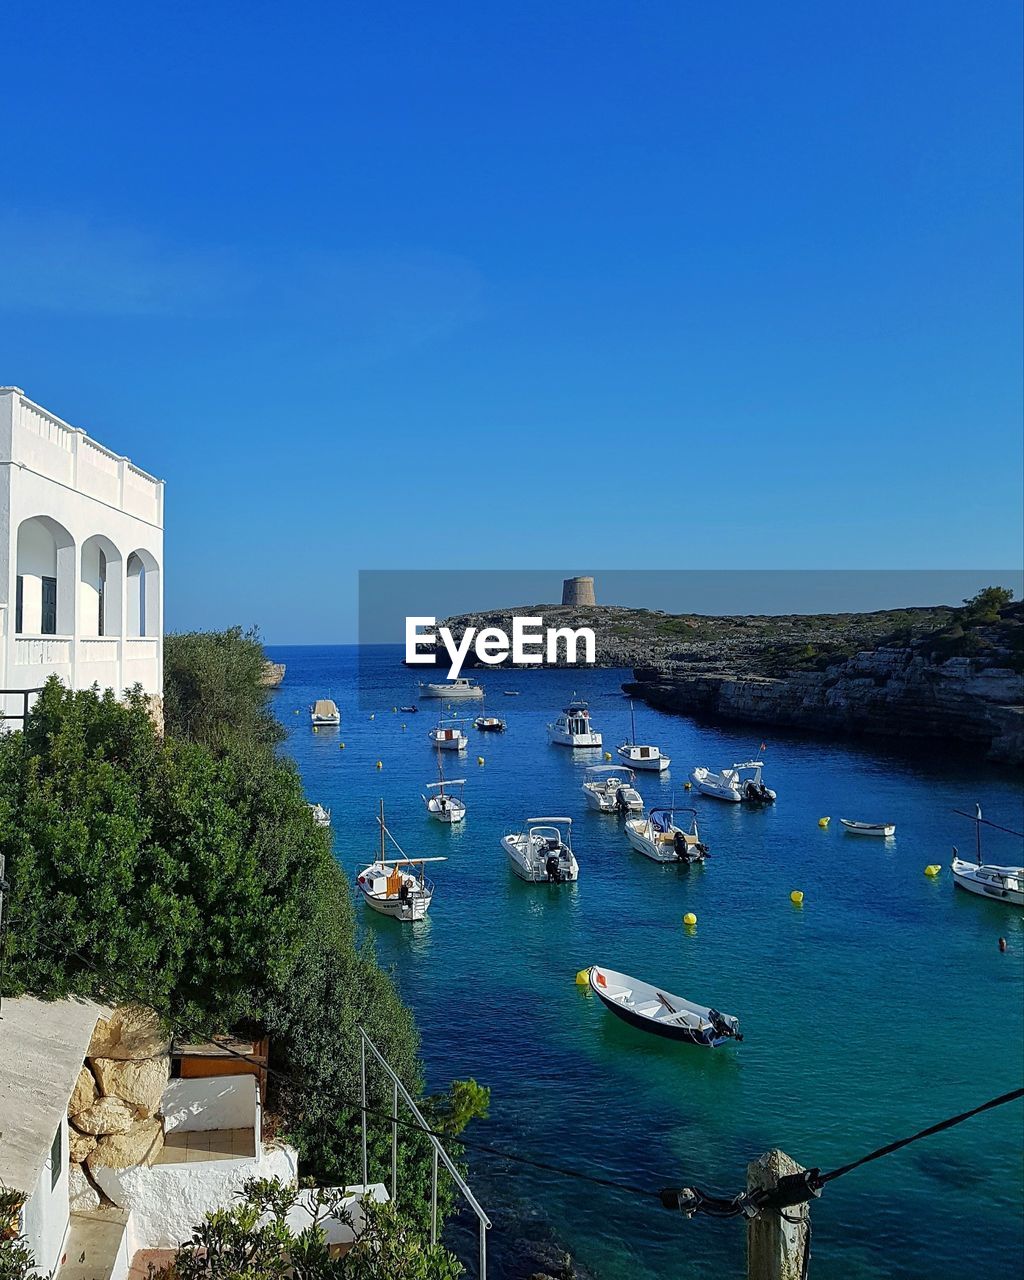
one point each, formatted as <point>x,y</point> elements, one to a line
<point>573,727</point>
<point>660,1012</point>
<point>460,687</point>
<point>542,853</point>
<point>1004,884</point>
<point>609,788</point>
<point>445,800</point>
<point>321,816</point>
<point>659,837</point>
<point>447,735</point>
<point>882,830</point>
<point>391,887</point>
<point>740,783</point>
<point>324,712</point>
<point>639,756</point>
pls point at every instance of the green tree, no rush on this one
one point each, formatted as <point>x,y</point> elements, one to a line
<point>986,606</point>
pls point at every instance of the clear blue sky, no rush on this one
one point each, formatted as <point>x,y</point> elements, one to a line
<point>531,285</point>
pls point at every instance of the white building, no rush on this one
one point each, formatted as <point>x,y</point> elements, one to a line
<point>81,560</point>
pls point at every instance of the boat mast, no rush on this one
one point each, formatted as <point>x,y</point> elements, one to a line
<point>632,724</point>
<point>977,830</point>
<point>382,829</point>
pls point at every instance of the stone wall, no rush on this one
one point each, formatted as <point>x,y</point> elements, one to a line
<point>113,1115</point>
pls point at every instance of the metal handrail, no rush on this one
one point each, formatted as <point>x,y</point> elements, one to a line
<point>399,1090</point>
<point>24,694</point>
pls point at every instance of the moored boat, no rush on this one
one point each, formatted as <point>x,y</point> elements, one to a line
<point>460,687</point>
<point>324,712</point>
<point>882,830</point>
<point>660,838</point>
<point>1002,884</point>
<point>444,799</point>
<point>641,756</point>
<point>661,1013</point>
<point>573,727</point>
<point>447,735</point>
<point>609,788</point>
<point>542,852</point>
<point>741,783</point>
<point>391,887</point>
<point>489,724</point>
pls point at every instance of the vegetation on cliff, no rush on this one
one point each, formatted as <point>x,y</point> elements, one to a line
<point>186,872</point>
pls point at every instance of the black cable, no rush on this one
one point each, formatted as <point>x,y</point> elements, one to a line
<point>985,822</point>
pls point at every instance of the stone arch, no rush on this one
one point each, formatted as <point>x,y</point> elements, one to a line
<point>45,582</point>
<point>100,588</point>
<point>142,588</point>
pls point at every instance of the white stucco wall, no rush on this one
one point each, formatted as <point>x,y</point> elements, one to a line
<point>44,1218</point>
<point>212,1102</point>
<point>168,1201</point>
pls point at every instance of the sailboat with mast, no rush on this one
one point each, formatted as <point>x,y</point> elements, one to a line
<point>1004,884</point>
<point>391,886</point>
<point>444,799</point>
<point>640,755</point>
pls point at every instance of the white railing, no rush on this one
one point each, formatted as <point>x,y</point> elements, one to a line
<point>399,1091</point>
<point>97,649</point>
<point>46,426</point>
<point>42,651</point>
<point>97,455</point>
<point>140,646</point>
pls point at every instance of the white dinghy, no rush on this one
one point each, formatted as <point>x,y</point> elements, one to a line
<point>660,1012</point>
<point>882,830</point>
<point>641,756</point>
<point>391,887</point>
<point>542,853</point>
<point>609,789</point>
<point>448,735</point>
<point>460,687</point>
<point>444,799</point>
<point>660,838</point>
<point>740,783</point>
<point>1002,884</point>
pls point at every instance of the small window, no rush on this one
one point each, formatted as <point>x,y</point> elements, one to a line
<point>56,1158</point>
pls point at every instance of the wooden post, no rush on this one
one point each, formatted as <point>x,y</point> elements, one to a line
<point>776,1248</point>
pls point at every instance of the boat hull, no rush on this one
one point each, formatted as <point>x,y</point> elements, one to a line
<point>649,764</point>
<point>320,722</point>
<point>880,830</point>
<point>450,816</point>
<point>449,692</point>
<point>531,872</point>
<point>679,1032</point>
<point>404,912</point>
<point>985,889</point>
<point>581,740</point>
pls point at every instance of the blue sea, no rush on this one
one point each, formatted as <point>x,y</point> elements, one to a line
<point>878,1007</point>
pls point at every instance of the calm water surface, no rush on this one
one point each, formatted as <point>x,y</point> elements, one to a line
<point>881,1005</point>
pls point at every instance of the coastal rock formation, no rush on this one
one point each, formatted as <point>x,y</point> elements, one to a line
<point>895,692</point>
<point>139,1083</point>
<point>273,674</point>
<point>131,1031</point>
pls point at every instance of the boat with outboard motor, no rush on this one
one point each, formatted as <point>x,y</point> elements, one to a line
<point>447,735</point>
<point>881,830</point>
<point>324,712</point>
<point>609,788</point>
<point>639,756</point>
<point>573,727</point>
<point>391,891</point>
<point>740,783</point>
<point>661,839</point>
<point>542,852</point>
<point>460,687</point>
<point>1001,884</point>
<point>661,1013</point>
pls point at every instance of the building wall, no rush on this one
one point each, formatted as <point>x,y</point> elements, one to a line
<point>44,1220</point>
<point>64,498</point>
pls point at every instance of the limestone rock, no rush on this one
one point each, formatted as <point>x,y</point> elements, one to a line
<point>79,1144</point>
<point>82,1195</point>
<point>84,1094</point>
<point>140,1145</point>
<point>140,1083</point>
<point>105,1116</point>
<point>131,1031</point>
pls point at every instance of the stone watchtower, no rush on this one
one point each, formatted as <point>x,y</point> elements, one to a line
<point>578,591</point>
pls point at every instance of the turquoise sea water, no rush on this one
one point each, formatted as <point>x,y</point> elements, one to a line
<point>881,1005</point>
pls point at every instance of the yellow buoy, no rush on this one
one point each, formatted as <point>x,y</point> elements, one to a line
<point>380,764</point>
<point>823,822</point>
<point>479,759</point>
<point>797,898</point>
<point>583,978</point>
<point>607,755</point>
<point>687,786</point>
<point>689,919</point>
<point>933,869</point>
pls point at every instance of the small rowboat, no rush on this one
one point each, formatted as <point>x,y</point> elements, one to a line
<point>660,1012</point>
<point>882,829</point>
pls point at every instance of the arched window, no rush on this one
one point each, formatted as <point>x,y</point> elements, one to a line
<point>142,583</point>
<point>44,590</point>
<point>99,590</point>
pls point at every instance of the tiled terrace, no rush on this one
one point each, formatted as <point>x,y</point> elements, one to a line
<point>192,1146</point>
